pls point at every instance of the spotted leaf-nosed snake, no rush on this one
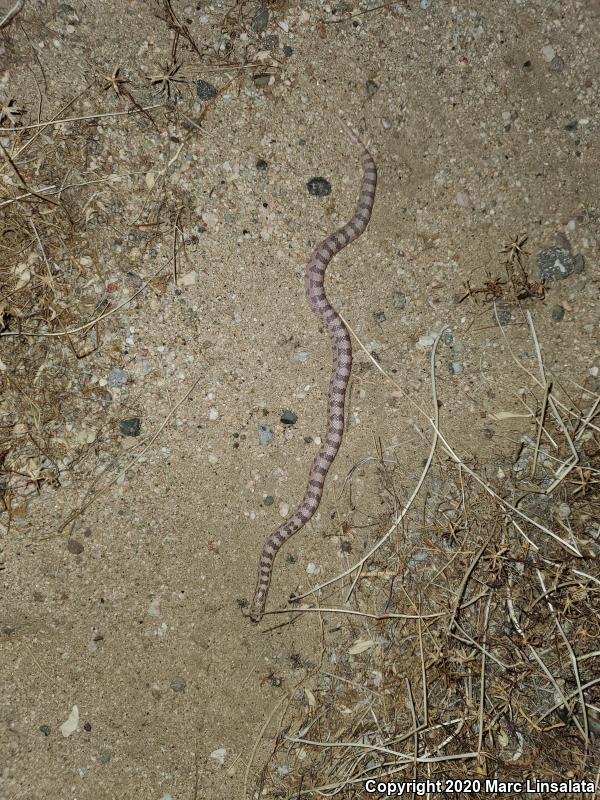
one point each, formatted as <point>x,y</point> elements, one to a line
<point>341,346</point>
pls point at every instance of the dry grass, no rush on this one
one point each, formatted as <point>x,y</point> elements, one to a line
<point>474,625</point>
<point>78,224</point>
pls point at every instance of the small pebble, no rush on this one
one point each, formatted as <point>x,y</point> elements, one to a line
<point>178,684</point>
<point>131,426</point>
<point>564,511</point>
<point>318,187</point>
<point>117,377</point>
<point>219,755</point>
<point>105,756</point>
<point>261,165</point>
<point>45,729</point>
<point>379,316</point>
<point>456,367</point>
<point>75,547</point>
<point>399,299</point>
<point>548,52</point>
<point>558,313</point>
<point>289,418</point>
<point>463,200</point>
<point>555,263</point>
<point>300,356</point>
<point>265,434</point>
<point>205,90</point>
<point>260,22</point>
<point>69,726</point>
<point>268,500</point>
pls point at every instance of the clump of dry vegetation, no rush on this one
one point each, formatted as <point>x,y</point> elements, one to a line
<point>83,209</point>
<point>479,655</point>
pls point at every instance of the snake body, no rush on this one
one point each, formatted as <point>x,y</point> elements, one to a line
<point>341,347</point>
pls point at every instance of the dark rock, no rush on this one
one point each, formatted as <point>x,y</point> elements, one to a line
<point>318,187</point>
<point>556,264</point>
<point>205,90</point>
<point>130,427</point>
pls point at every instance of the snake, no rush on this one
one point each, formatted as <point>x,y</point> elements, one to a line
<point>341,350</point>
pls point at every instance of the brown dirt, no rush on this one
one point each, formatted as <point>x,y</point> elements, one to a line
<point>130,612</point>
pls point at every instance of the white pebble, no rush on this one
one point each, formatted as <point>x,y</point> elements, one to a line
<point>548,52</point>
<point>69,726</point>
<point>213,413</point>
<point>219,755</point>
<point>313,570</point>
<point>284,510</point>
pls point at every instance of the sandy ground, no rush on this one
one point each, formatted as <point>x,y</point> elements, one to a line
<point>483,120</point>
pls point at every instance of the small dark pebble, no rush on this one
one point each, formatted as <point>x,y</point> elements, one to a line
<point>558,312</point>
<point>372,87</point>
<point>288,418</point>
<point>200,229</point>
<point>346,547</point>
<point>75,547</point>
<point>557,64</point>
<point>571,126</point>
<point>178,684</point>
<point>556,264</point>
<point>399,299</point>
<point>448,338</point>
<point>308,439</point>
<point>379,316</point>
<point>261,20</point>
<point>319,187</point>
<point>261,164</point>
<point>290,558</point>
<point>287,51</point>
<point>578,264</point>
<point>130,427</point>
<point>87,726</point>
<point>45,729</point>
<point>205,90</point>
<point>271,42</point>
<point>269,500</point>
<point>105,756</point>
<point>527,64</point>
<point>262,80</point>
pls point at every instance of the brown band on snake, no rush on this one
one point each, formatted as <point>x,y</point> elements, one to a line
<point>342,364</point>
